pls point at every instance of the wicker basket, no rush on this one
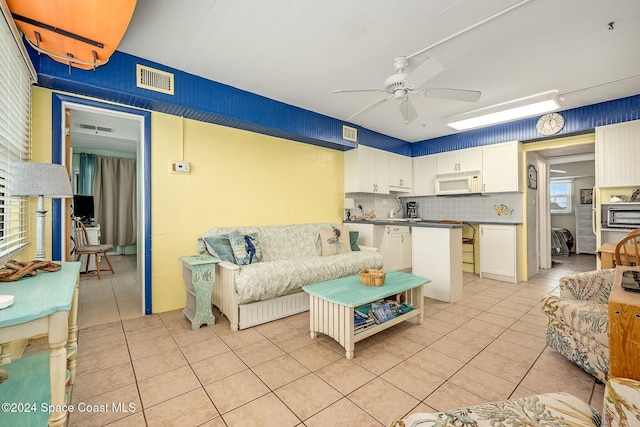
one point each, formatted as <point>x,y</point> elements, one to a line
<point>372,277</point>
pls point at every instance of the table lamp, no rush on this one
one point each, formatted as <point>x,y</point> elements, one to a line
<point>31,179</point>
<point>348,205</point>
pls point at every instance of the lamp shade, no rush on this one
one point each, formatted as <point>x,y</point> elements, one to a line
<point>349,203</point>
<point>31,179</point>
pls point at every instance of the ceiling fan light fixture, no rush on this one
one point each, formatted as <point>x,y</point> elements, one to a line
<point>508,111</point>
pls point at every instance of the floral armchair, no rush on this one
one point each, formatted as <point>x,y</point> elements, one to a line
<point>578,320</point>
<point>620,408</point>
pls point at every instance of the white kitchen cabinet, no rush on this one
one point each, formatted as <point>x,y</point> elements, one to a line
<point>394,242</point>
<point>366,171</point>
<point>617,154</point>
<point>501,167</point>
<point>399,172</point>
<point>424,176</point>
<point>585,237</point>
<point>396,247</point>
<point>469,159</point>
<point>498,252</point>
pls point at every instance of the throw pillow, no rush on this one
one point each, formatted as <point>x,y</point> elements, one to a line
<point>220,247</point>
<point>335,240</point>
<point>246,247</point>
<point>353,240</point>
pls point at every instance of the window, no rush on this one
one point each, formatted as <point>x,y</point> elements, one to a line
<point>15,126</point>
<point>560,196</point>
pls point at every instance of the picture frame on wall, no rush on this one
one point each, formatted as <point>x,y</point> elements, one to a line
<point>586,196</point>
<point>532,177</point>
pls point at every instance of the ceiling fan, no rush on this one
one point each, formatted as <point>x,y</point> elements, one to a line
<point>397,86</point>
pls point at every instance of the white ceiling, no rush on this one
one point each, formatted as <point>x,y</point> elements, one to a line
<point>300,51</point>
<point>102,131</point>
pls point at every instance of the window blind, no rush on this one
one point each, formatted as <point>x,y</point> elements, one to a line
<point>15,127</point>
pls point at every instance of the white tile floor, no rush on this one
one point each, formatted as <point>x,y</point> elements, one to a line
<point>488,346</point>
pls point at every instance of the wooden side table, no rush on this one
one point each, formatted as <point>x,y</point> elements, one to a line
<point>624,329</point>
<point>199,274</point>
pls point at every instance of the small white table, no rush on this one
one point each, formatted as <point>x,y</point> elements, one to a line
<point>332,303</point>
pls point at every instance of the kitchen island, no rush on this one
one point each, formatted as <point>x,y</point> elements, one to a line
<point>436,253</point>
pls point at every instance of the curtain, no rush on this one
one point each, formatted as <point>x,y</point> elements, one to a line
<point>114,194</point>
<point>87,171</point>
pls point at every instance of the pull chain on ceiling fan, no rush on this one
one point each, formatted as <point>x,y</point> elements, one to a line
<point>397,86</point>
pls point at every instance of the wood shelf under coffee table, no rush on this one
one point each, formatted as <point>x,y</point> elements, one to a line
<point>332,303</point>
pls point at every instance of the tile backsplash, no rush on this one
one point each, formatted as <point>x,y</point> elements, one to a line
<point>499,207</point>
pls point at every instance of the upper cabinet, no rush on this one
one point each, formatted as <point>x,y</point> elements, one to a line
<point>424,175</point>
<point>617,154</point>
<point>469,159</point>
<point>366,171</point>
<point>400,175</point>
<point>501,167</point>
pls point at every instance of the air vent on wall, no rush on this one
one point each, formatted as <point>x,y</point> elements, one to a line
<point>152,79</point>
<point>349,133</point>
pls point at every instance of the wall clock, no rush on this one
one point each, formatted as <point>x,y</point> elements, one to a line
<point>550,124</point>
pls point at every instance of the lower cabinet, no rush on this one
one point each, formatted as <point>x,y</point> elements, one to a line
<point>498,252</point>
<point>395,246</point>
<point>393,242</point>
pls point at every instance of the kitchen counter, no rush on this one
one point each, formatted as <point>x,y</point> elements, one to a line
<point>430,223</point>
<point>436,251</point>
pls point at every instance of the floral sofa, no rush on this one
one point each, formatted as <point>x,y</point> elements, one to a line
<point>621,408</point>
<point>264,268</point>
<point>578,325</point>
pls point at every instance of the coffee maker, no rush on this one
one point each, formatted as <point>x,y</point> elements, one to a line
<point>412,210</point>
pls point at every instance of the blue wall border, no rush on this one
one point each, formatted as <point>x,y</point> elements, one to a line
<point>58,211</point>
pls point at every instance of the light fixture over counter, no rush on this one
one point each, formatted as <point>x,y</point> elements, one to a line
<point>512,110</point>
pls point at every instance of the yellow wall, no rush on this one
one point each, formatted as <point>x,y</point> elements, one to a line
<point>237,178</point>
<point>40,152</point>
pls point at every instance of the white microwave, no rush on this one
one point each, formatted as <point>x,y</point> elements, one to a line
<point>465,183</point>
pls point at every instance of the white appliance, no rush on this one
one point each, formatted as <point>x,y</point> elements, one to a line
<point>623,215</point>
<point>459,183</point>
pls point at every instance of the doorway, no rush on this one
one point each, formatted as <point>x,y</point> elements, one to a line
<point>84,114</point>
<point>570,162</point>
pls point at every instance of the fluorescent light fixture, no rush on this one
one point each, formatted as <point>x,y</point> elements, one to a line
<point>512,110</point>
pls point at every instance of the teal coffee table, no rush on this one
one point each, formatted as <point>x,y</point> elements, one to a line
<point>332,304</point>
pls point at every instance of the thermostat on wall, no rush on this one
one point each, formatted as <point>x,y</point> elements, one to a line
<point>180,167</point>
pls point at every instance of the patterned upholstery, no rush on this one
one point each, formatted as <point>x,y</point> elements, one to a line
<point>621,403</point>
<point>578,321</point>
<point>621,409</point>
<point>292,256</point>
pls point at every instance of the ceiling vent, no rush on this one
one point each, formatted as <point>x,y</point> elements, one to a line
<point>95,128</point>
<point>349,133</point>
<point>152,79</point>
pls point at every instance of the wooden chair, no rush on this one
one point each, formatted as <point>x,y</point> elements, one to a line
<point>627,250</point>
<point>83,247</point>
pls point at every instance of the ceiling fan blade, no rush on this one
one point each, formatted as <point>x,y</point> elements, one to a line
<point>370,106</point>
<point>455,94</point>
<point>408,111</point>
<point>424,71</point>
<point>357,90</point>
